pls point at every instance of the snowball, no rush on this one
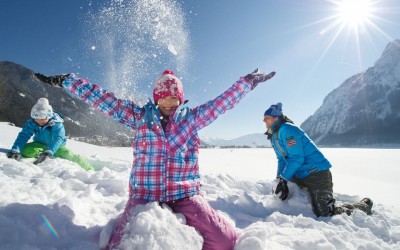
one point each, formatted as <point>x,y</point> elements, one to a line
<point>171,49</point>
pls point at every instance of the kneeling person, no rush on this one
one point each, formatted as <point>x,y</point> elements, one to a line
<point>300,161</point>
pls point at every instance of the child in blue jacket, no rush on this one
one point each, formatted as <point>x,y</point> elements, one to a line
<point>47,129</point>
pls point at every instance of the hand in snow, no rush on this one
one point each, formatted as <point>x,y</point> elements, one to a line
<point>14,155</point>
<point>256,77</point>
<point>41,158</point>
<point>283,189</point>
<point>52,80</point>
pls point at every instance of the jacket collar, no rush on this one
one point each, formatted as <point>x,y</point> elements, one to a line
<point>179,114</point>
<point>57,118</point>
<point>275,127</point>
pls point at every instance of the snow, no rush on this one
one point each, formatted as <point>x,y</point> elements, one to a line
<point>171,49</point>
<point>142,35</point>
<point>58,205</point>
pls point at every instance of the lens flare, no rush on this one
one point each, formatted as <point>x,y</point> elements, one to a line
<point>49,226</point>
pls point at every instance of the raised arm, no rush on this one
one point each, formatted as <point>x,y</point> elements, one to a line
<point>209,112</point>
<point>123,111</point>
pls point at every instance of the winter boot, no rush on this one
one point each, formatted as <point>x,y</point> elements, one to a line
<point>369,203</point>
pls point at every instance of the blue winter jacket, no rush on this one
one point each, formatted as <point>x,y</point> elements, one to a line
<point>52,134</point>
<point>297,154</point>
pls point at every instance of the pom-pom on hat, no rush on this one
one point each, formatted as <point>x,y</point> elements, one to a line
<point>275,110</point>
<point>168,85</point>
<point>42,109</point>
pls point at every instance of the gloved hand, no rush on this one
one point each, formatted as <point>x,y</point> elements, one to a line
<point>41,158</point>
<point>283,189</point>
<point>256,77</point>
<point>14,155</point>
<point>52,80</point>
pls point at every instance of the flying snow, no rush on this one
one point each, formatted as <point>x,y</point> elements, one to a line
<point>137,39</point>
<point>171,49</point>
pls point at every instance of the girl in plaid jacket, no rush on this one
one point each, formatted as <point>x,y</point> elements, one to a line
<point>165,148</point>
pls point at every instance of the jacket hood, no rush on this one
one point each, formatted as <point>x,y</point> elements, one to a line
<point>56,118</point>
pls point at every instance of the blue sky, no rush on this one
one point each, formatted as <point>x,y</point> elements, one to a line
<point>125,45</point>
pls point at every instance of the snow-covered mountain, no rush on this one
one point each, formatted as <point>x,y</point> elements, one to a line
<point>364,110</point>
<point>251,140</point>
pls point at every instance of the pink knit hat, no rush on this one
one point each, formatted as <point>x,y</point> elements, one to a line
<point>167,85</point>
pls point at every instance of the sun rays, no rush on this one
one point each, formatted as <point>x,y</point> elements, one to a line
<point>349,24</point>
<point>354,13</point>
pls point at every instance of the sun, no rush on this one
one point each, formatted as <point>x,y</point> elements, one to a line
<point>349,23</point>
<point>354,13</point>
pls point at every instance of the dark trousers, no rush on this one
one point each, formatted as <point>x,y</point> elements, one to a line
<point>320,188</point>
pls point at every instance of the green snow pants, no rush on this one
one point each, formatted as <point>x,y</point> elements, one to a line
<point>33,149</point>
<point>320,188</point>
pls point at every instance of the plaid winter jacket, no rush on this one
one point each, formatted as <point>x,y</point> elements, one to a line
<point>165,165</point>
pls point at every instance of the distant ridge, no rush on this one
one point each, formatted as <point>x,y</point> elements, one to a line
<point>251,141</point>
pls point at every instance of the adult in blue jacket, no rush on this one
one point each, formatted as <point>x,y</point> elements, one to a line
<point>300,161</point>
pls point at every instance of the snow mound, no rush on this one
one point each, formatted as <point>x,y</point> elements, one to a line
<point>58,205</point>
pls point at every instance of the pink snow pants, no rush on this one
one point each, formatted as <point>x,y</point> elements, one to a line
<point>216,231</point>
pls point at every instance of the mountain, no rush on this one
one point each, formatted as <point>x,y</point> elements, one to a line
<point>364,110</point>
<point>20,90</point>
<point>251,140</point>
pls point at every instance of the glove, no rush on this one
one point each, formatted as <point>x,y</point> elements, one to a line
<point>283,189</point>
<point>256,77</point>
<point>41,158</point>
<point>52,80</point>
<point>14,155</point>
